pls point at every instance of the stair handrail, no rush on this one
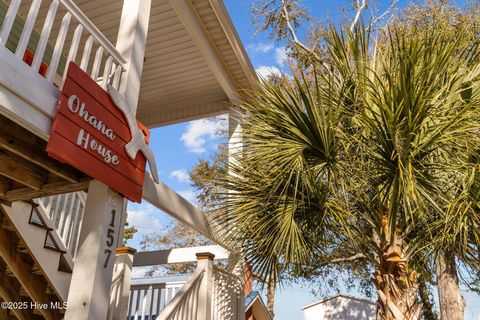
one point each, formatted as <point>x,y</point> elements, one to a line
<point>189,290</point>
<point>93,30</point>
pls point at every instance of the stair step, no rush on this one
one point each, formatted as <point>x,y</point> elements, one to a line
<point>22,247</point>
<point>37,221</point>
<point>7,225</point>
<point>63,265</point>
<point>23,293</point>
<point>43,255</point>
<point>49,290</point>
<point>9,272</point>
<point>37,312</point>
<point>51,245</point>
<point>36,269</point>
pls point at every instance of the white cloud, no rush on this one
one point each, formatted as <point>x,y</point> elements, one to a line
<point>266,71</point>
<point>260,47</point>
<point>188,195</point>
<point>139,272</point>
<point>181,175</point>
<point>143,221</point>
<point>198,131</point>
<point>281,56</point>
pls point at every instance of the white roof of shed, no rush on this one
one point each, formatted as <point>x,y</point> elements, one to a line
<point>337,297</point>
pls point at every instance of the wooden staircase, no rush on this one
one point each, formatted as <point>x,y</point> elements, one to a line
<point>36,276</point>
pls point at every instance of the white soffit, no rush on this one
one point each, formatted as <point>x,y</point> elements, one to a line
<point>194,61</point>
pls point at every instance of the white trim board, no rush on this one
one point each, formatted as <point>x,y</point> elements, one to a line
<point>26,97</point>
<point>177,255</point>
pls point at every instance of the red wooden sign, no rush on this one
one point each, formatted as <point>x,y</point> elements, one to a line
<point>89,133</point>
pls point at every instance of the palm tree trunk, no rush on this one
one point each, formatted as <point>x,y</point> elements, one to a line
<point>271,296</point>
<point>452,306</point>
<point>425,297</point>
<point>396,284</point>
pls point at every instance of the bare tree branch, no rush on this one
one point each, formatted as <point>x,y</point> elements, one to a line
<point>359,7</point>
<point>293,34</point>
<point>385,13</point>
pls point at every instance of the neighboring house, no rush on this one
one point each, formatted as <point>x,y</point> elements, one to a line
<point>255,309</point>
<point>341,307</point>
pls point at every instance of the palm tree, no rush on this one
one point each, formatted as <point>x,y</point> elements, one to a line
<point>352,159</point>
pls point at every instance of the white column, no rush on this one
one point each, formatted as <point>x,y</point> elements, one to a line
<point>131,43</point>
<point>205,261</point>
<point>100,235</point>
<point>234,134</point>
<point>121,286</point>
<point>235,146</point>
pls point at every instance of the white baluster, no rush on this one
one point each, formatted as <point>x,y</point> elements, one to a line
<point>66,198</point>
<point>28,27</point>
<point>137,304</point>
<point>161,294</point>
<point>144,303</point>
<point>71,236</point>
<point>96,63</point>
<point>68,218</point>
<point>57,52</point>
<point>106,72</point>
<point>194,306</point>
<point>116,77</point>
<point>152,296</point>
<point>184,306</point>
<point>130,304</point>
<point>78,227</point>
<point>72,54</point>
<point>86,53</point>
<point>8,21</point>
<point>47,28</point>
<point>56,211</point>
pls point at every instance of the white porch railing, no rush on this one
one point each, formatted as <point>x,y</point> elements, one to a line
<point>210,293</point>
<point>228,302</point>
<point>108,63</point>
<point>149,297</point>
<point>188,301</point>
<point>64,213</point>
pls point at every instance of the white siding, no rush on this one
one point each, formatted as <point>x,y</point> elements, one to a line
<point>340,308</point>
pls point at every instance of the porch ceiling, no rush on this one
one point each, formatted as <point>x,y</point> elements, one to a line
<point>194,60</point>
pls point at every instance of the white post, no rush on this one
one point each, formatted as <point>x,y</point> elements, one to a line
<point>121,288</point>
<point>100,235</point>
<point>235,263</point>
<point>131,43</point>
<point>235,147</point>
<point>234,134</point>
<point>205,261</point>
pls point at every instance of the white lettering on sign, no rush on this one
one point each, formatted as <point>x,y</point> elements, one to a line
<point>86,142</point>
<point>79,108</point>
<point>84,139</point>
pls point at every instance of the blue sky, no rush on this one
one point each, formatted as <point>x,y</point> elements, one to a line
<point>179,147</point>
